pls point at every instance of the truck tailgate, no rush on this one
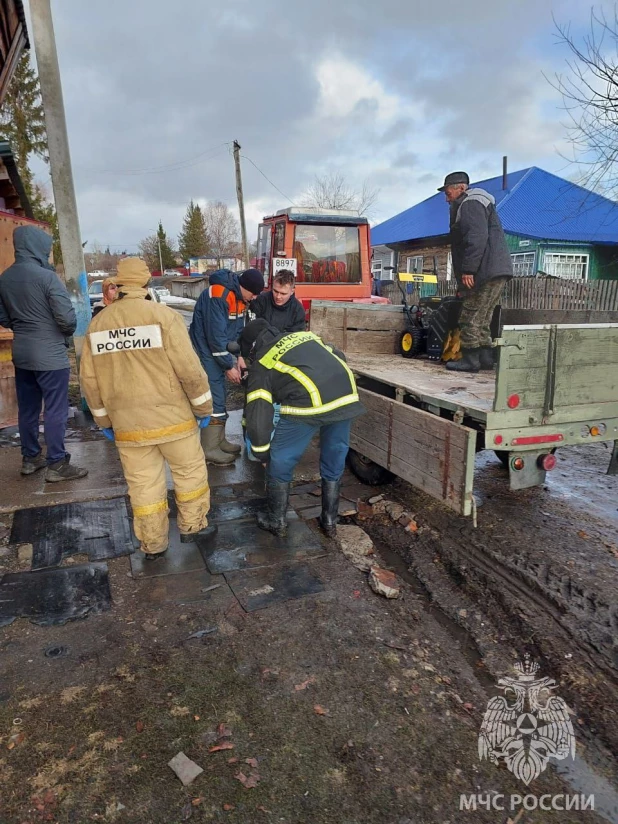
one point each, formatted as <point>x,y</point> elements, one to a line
<point>557,374</point>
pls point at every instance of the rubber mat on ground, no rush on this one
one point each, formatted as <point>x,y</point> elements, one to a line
<point>262,588</point>
<point>54,596</point>
<point>99,528</point>
<point>178,558</point>
<point>243,545</point>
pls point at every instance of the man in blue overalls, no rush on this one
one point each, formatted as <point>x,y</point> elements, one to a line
<point>218,319</point>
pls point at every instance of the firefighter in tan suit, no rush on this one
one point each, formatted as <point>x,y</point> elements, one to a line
<point>142,379</point>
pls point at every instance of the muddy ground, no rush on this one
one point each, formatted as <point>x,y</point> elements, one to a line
<point>355,708</point>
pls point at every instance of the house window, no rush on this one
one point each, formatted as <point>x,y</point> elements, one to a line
<point>523,264</point>
<point>415,265</point>
<point>376,268</point>
<point>573,267</point>
<point>449,266</point>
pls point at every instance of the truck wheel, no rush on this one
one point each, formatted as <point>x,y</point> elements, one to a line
<point>367,471</point>
<point>411,343</point>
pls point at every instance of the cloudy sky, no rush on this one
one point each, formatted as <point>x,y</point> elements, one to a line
<point>396,92</point>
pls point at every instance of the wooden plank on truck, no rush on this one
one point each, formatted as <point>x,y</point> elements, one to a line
<point>432,453</point>
<point>354,327</point>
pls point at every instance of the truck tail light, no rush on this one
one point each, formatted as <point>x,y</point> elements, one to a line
<point>498,439</point>
<point>599,429</point>
<point>534,439</point>
<point>547,462</point>
<point>517,464</point>
<point>513,401</point>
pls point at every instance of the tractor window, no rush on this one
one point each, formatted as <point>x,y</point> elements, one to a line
<point>327,254</point>
<point>279,244</point>
<point>263,248</point>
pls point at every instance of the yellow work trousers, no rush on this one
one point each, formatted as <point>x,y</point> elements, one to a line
<point>144,470</point>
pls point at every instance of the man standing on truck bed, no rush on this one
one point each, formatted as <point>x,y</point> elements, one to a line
<point>481,264</point>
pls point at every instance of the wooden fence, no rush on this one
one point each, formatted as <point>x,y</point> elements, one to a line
<point>530,293</point>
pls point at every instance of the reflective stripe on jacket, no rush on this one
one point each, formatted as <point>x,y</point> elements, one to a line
<point>310,380</point>
<point>218,319</point>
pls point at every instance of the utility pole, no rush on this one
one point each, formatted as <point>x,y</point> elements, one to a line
<point>160,255</point>
<point>241,204</point>
<point>60,165</point>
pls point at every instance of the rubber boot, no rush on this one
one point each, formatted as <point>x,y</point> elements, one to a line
<point>63,471</point>
<point>273,519</point>
<point>330,507</point>
<point>31,465</point>
<point>228,447</point>
<point>203,536</point>
<point>470,362</point>
<point>154,556</point>
<point>486,357</point>
<point>210,438</point>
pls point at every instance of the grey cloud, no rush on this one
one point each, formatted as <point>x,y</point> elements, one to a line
<point>147,85</point>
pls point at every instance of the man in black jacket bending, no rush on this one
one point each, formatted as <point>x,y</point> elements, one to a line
<point>317,393</point>
<point>280,307</point>
<point>481,264</point>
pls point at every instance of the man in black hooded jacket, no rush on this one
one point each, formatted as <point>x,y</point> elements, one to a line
<point>35,304</point>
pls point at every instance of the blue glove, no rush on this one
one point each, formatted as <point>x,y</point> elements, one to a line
<point>109,434</point>
<point>203,422</point>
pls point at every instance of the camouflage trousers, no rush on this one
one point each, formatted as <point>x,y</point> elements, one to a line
<point>476,313</point>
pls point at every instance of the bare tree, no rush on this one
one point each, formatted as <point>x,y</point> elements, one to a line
<point>149,250</point>
<point>332,191</point>
<point>589,89</point>
<point>222,229</point>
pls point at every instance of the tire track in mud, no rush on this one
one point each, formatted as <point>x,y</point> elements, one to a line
<point>511,605</point>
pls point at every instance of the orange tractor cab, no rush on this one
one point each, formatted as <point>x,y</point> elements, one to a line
<point>327,249</point>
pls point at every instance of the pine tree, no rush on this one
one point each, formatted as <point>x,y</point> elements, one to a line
<point>22,124</point>
<point>193,240</point>
<point>168,258</point>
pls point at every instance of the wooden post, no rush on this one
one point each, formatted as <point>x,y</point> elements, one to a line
<point>241,204</point>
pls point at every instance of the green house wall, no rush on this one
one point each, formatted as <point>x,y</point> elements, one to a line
<point>603,261</point>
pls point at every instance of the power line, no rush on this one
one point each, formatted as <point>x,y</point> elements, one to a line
<point>268,179</point>
<point>171,167</point>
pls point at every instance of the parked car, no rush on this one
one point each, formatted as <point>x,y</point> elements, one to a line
<point>95,292</point>
<point>167,298</point>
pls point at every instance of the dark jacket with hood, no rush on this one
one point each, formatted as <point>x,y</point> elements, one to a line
<point>287,318</point>
<point>310,380</point>
<point>478,244</point>
<point>218,319</point>
<point>35,304</point>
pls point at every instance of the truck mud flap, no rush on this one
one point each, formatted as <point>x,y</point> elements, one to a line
<point>431,453</point>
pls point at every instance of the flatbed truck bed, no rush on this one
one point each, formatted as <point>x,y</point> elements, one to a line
<point>554,385</point>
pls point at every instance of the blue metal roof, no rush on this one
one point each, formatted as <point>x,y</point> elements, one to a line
<point>535,204</point>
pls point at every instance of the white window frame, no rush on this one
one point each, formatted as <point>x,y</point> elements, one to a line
<point>449,266</point>
<point>566,265</point>
<point>523,264</point>
<point>411,265</point>
<point>376,268</point>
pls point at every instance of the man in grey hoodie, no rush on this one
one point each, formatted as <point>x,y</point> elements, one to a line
<point>35,304</point>
<point>481,264</point>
